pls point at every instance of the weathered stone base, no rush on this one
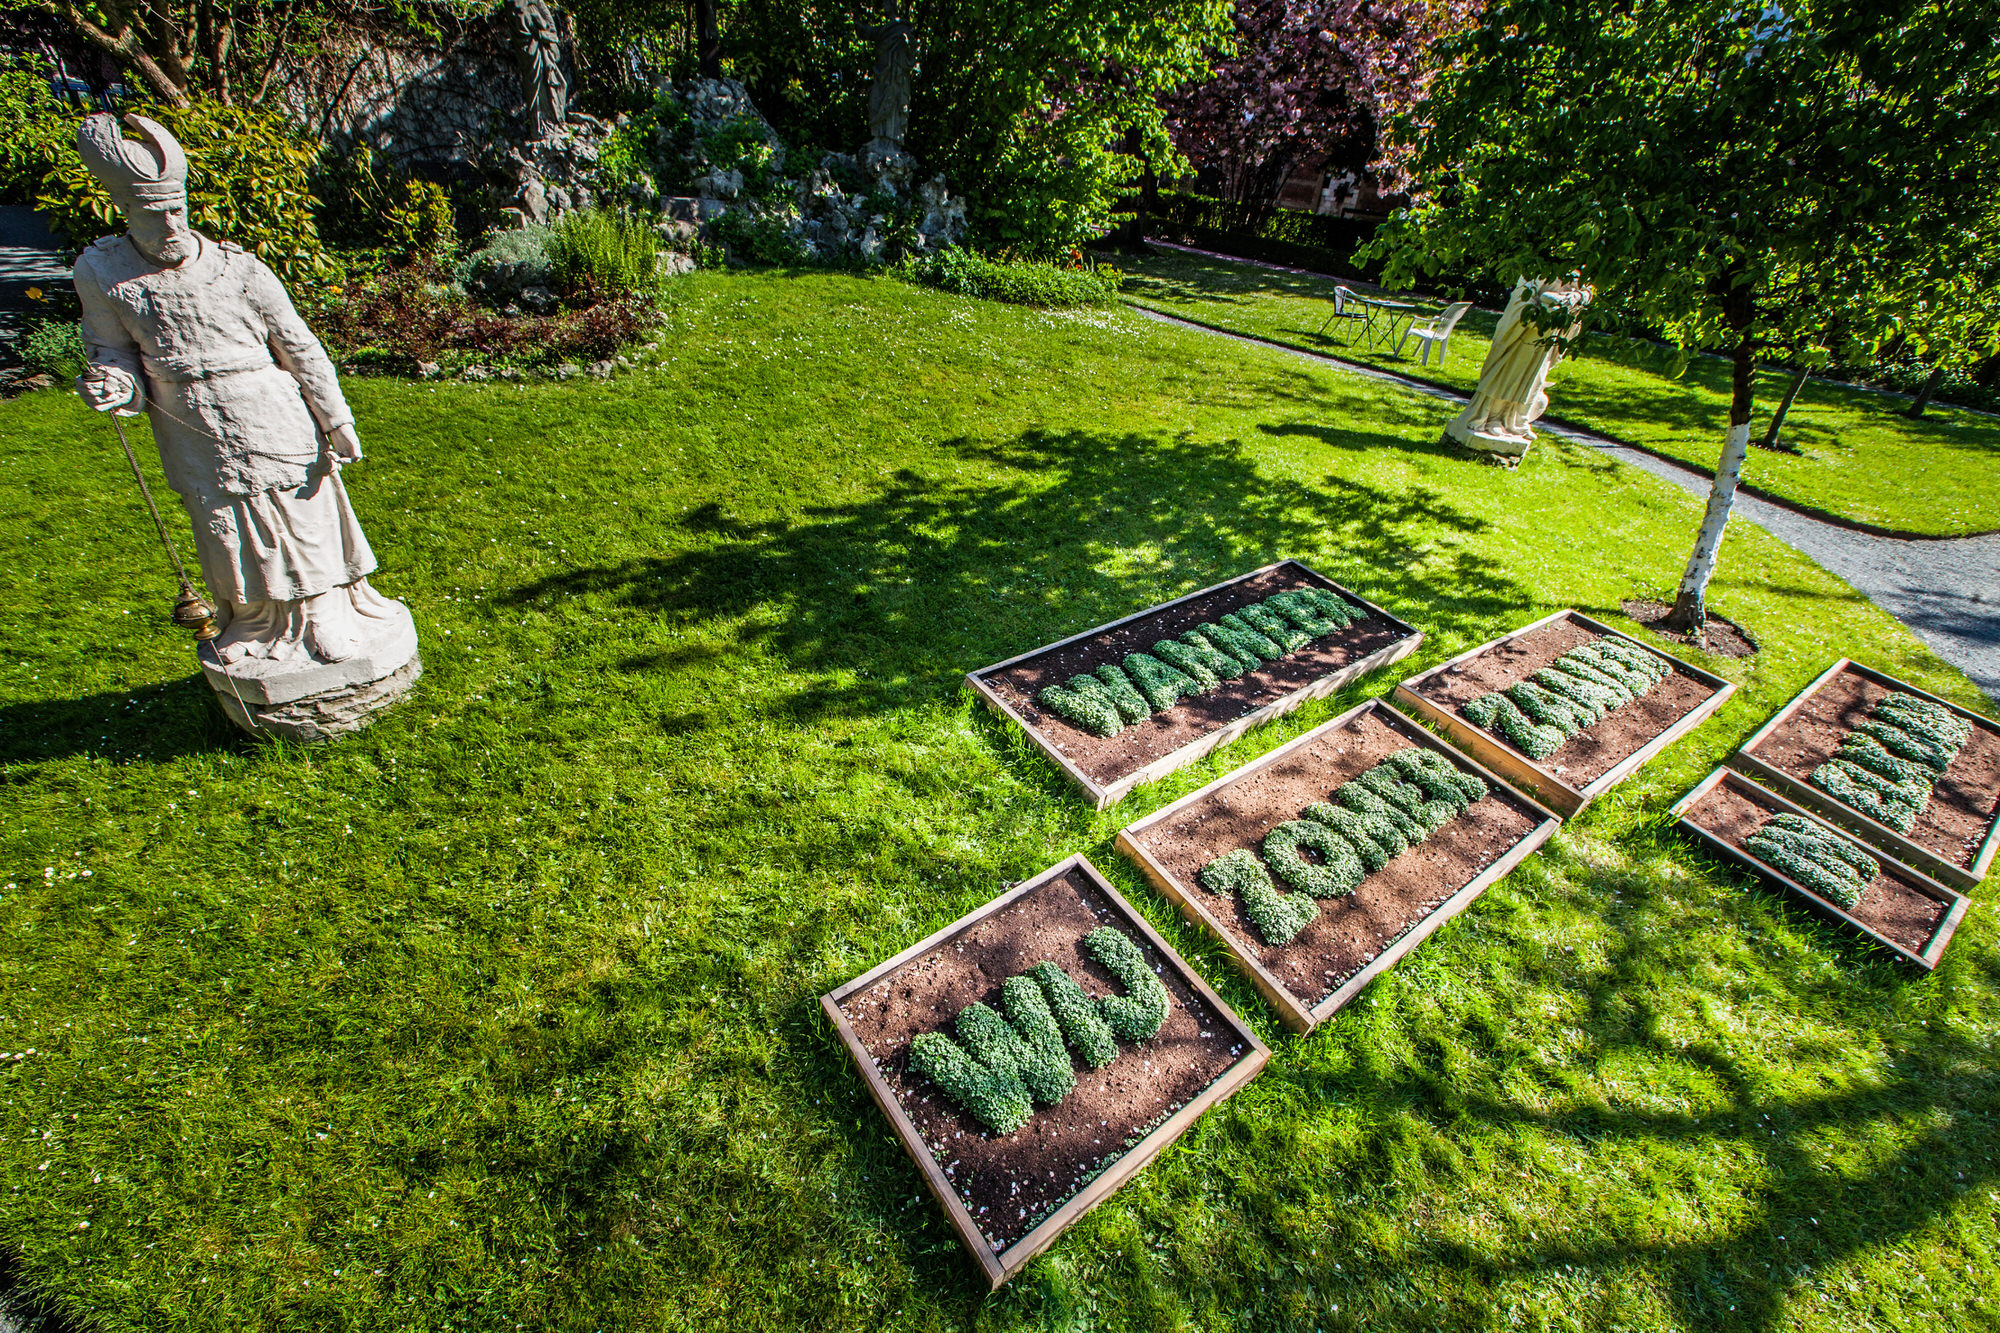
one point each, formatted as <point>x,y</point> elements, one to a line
<point>1507,453</point>
<point>318,717</point>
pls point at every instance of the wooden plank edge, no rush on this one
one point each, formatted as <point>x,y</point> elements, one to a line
<point>1417,732</point>
<point>1652,749</point>
<point>1487,646</point>
<point>1702,674</point>
<point>1048,748</point>
<point>1550,791</point>
<point>1880,838</point>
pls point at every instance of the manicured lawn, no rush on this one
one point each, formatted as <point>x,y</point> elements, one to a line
<point>502,1013</point>
<point>1858,459</point>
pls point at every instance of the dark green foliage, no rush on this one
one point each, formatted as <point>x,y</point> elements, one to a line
<point>1427,816</point>
<point>1315,610</point>
<point>55,347</point>
<point>1245,644</point>
<point>1439,778</point>
<point>1137,1014</point>
<point>1278,916</point>
<point>995,1099</point>
<point>1801,850</point>
<point>1390,826</point>
<point>1342,869</point>
<point>1007,1064</point>
<point>1272,626</point>
<point>1221,663</point>
<point>597,253</point>
<point>1867,752</point>
<point>1084,703</point>
<point>1496,712</point>
<point>1188,662</point>
<point>1077,1013</point>
<point>1160,683</point>
<point>1131,705</point>
<point>964,273</point>
<point>1371,836</point>
<point>1886,765</point>
<point>1569,694</point>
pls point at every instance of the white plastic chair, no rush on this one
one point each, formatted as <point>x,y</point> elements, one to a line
<point>1435,332</point>
<point>1343,298</point>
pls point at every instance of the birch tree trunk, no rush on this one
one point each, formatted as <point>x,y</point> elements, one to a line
<point>1690,611</point>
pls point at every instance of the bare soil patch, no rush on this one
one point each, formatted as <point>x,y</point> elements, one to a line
<point>1724,638</point>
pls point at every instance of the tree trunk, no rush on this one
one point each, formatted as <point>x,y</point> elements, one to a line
<point>1690,613</point>
<point>1924,394</point>
<point>708,40</point>
<point>1770,440</point>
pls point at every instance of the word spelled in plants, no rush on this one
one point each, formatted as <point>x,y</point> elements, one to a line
<point>1538,714</point>
<point>1886,765</point>
<point>1007,1065</point>
<point>1115,694</point>
<point>1393,806</point>
<point>1803,851</point>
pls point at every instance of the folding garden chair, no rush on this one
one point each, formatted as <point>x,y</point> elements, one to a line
<point>1435,332</point>
<point>1346,305</point>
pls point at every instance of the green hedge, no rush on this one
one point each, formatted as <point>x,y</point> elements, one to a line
<point>965,273</point>
<point>1279,236</point>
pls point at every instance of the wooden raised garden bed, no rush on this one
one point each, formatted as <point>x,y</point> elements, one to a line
<point>1009,1196</point>
<point>1595,759</point>
<point>1903,910</point>
<point>1107,769</point>
<point>1954,836</point>
<point>1354,938</point>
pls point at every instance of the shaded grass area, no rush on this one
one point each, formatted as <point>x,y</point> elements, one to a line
<point>502,1013</point>
<point>1856,456</point>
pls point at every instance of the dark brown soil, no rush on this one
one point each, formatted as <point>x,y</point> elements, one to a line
<point>1724,638</point>
<point>1349,932</point>
<point>1963,803</point>
<point>1597,749</point>
<point>1889,907</point>
<point>1011,1183</point>
<point>1104,761</point>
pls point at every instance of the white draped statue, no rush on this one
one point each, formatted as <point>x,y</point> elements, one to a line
<point>252,430</point>
<point>1512,392</point>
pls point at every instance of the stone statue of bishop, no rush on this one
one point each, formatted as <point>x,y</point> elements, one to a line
<point>252,431</point>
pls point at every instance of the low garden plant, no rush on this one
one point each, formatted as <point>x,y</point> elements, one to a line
<point>999,1069</point>
<point>1802,850</point>
<point>1571,693</point>
<point>1886,766</point>
<point>1372,817</point>
<point>1115,695</point>
<point>964,272</point>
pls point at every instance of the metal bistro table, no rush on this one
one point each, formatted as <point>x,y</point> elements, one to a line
<point>1379,329</point>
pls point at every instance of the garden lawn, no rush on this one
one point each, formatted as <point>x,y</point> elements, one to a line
<point>502,1014</point>
<point>1858,458</point>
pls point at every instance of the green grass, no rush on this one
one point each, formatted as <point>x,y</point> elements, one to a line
<point>502,1014</point>
<point>1858,458</point>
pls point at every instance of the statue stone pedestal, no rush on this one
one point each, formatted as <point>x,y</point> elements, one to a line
<point>314,700</point>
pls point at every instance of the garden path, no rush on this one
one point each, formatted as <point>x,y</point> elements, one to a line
<point>1946,590</point>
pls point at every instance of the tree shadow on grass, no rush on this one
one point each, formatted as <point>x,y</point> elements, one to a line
<point>1803,1215</point>
<point>153,723</point>
<point>890,599</point>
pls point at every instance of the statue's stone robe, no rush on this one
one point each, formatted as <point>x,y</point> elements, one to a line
<point>241,396</point>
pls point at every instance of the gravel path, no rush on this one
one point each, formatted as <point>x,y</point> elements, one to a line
<point>1947,590</point>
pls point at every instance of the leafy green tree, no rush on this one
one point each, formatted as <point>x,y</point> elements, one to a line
<point>1734,176</point>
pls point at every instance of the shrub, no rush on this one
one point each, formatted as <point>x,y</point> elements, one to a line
<point>55,347</point>
<point>1006,1065</point>
<point>1801,850</point>
<point>247,182</point>
<point>1886,765</point>
<point>600,254</point>
<point>762,239</point>
<point>1201,659</point>
<point>1277,916</point>
<point>963,273</point>
<point>509,262</point>
<point>421,223</point>
<point>1381,812</point>
<point>1537,715</point>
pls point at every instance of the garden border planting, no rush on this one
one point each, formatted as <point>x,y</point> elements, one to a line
<point>999,1264</point>
<point>1899,845</point>
<point>1954,902</point>
<point>1297,1014</point>
<point>1106,793</point>
<point>1531,775</point>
